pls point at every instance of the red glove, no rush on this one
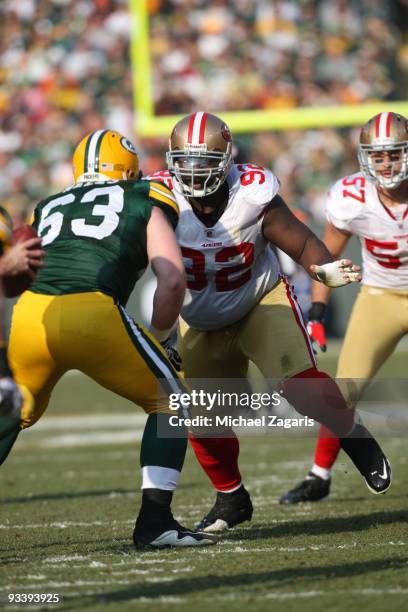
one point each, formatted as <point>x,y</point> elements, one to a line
<point>317,333</point>
<point>315,327</point>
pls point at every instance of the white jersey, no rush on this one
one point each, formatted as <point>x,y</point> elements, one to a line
<point>230,265</point>
<point>353,205</point>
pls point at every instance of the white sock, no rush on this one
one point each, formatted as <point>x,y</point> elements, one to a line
<point>324,473</point>
<point>156,477</point>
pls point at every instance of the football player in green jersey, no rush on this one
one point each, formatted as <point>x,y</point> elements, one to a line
<point>98,237</point>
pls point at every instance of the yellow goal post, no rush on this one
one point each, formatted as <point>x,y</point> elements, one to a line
<point>149,125</point>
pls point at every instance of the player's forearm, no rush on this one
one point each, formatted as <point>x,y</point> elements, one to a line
<point>167,303</point>
<point>320,293</point>
<point>335,241</point>
<point>314,252</point>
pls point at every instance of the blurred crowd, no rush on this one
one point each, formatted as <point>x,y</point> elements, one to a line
<point>65,70</point>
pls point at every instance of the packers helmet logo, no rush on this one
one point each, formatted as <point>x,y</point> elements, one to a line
<point>105,155</point>
<point>128,145</point>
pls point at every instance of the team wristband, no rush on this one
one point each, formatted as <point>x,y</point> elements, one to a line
<point>317,311</point>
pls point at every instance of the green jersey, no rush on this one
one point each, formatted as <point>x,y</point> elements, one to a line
<point>94,236</point>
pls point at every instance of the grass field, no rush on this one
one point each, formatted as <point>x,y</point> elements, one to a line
<point>70,494</point>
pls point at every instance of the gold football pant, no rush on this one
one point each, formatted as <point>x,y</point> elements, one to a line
<point>378,321</point>
<point>272,335</point>
<point>88,332</point>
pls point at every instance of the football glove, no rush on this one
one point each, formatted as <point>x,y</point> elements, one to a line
<point>316,328</point>
<point>11,399</point>
<point>172,353</point>
<point>337,273</point>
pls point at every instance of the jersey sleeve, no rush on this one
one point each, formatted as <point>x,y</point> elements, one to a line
<point>345,202</point>
<point>163,198</point>
<point>256,185</point>
<point>35,218</point>
<point>6,229</point>
<point>262,185</point>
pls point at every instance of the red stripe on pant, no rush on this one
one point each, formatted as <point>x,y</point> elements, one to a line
<point>299,319</point>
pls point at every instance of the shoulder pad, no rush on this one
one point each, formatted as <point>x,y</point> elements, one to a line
<point>159,191</point>
<point>346,200</point>
<point>258,185</point>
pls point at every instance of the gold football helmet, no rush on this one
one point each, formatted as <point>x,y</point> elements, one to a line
<point>200,154</point>
<point>383,150</point>
<point>105,155</point>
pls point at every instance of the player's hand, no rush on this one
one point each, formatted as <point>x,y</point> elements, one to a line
<point>172,354</point>
<point>316,328</point>
<point>11,399</point>
<point>337,273</point>
<point>22,257</point>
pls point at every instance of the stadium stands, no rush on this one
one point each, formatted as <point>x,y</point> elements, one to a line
<point>65,70</point>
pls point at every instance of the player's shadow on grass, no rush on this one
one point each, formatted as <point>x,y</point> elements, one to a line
<point>80,494</point>
<point>300,576</point>
<point>329,525</point>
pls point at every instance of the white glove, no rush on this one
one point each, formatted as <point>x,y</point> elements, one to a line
<point>337,273</point>
<point>11,399</point>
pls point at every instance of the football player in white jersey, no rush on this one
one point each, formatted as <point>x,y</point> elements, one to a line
<point>373,205</point>
<point>238,307</point>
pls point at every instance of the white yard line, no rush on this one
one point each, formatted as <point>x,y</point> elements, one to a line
<point>92,421</point>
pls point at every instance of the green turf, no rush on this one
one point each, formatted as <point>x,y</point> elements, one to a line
<point>67,516</point>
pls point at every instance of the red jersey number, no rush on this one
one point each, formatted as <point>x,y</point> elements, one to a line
<point>196,270</point>
<point>250,173</point>
<point>377,248</point>
<point>359,183</point>
<point>223,282</point>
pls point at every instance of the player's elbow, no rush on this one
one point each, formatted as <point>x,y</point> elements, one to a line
<point>173,282</point>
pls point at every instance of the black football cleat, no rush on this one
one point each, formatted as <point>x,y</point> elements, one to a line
<point>229,510</point>
<point>312,489</point>
<point>367,456</point>
<point>167,533</point>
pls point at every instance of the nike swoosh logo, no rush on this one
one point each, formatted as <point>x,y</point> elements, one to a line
<point>384,475</point>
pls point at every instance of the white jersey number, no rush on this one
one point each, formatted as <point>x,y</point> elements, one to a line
<point>79,226</point>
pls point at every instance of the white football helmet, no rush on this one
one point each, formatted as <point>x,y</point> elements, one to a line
<point>385,133</point>
<point>200,154</point>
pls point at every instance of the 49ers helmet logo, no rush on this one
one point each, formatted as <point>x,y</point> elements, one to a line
<point>225,133</point>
